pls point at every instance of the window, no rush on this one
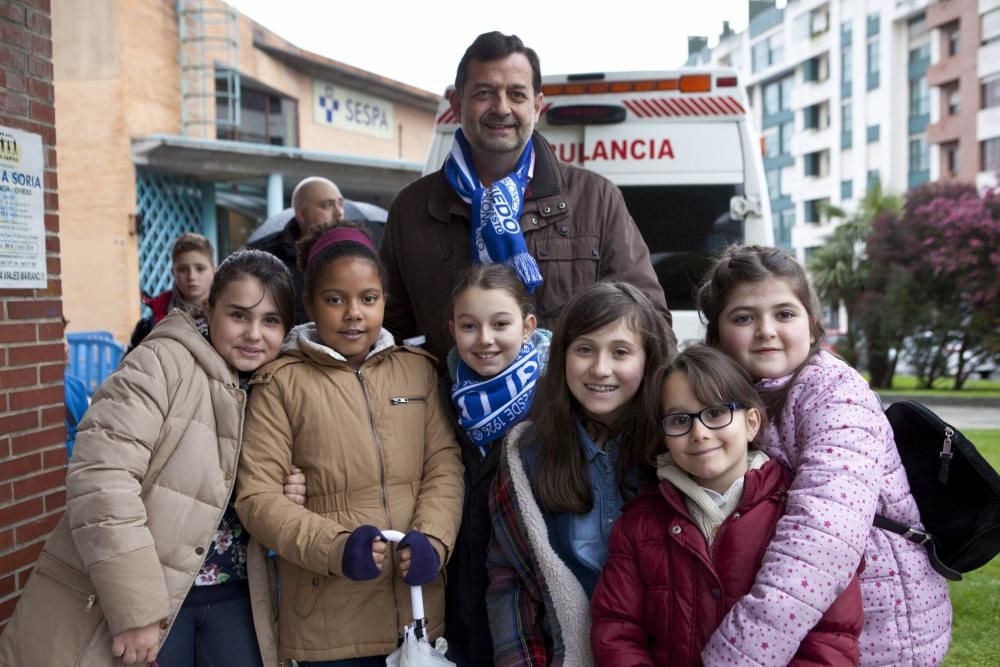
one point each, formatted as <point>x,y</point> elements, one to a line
<point>778,96</point>
<point>846,190</point>
<point>772,98</point>
<point>816,117</point>
<point>761,55</point>
<point>846,66</point>
<point>774,183</point>
<point>920,53</point>
<point>772,142</point>
<point>873,64</point>
<point>872,133</point>
<point>783,234</point>
<point>802,29</point>
<point>919,155</point>
<point>846,125</point>
<point>815,165</point>
<point>811,117</point>
<point>787,131</point>
<point>952,100</point>
<point>952,38</point>
<point>874,178</point>
<point>266,117</point>
<point>919,97</point>
<point>787,86</point>
<point>845,34</point>
<point>989,24</point>
<point>991,154</point>
<point>820,21</point>
<point>767,52</point>
<point>991,93</point>
<point>814,209</point>
<point>950,151</point>
<point>873,25</point>
<point>810,70</point>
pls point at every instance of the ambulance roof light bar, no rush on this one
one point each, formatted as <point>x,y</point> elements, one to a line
<point>577,84</point>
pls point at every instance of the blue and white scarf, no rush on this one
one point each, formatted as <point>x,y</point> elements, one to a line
<point>496,234</point>
<point>487,408</point>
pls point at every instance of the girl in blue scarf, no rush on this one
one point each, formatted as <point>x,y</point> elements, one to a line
<point>499,355</point>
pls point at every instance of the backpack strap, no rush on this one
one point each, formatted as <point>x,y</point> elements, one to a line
<point>921,537</point>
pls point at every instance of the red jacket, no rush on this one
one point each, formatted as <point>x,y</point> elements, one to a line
<point>664,591</point>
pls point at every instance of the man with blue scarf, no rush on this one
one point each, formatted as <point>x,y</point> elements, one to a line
<point>501,196</point>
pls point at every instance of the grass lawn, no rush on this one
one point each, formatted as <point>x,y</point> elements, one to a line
<point>943,387</point>
<point>976,599</point>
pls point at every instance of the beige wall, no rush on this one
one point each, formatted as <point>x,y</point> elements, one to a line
<point>117,78</point>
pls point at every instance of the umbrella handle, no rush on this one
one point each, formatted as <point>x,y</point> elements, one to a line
<point>416,592</point>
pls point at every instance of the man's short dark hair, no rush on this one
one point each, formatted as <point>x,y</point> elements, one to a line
<point>495,45</point>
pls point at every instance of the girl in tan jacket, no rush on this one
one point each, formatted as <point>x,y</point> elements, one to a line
<point>150,556</point>
<point>364,420</point>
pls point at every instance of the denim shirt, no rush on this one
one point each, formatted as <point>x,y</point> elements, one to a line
<point>581,540</point>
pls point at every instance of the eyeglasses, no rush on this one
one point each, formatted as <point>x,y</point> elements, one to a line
<point>713,417</point>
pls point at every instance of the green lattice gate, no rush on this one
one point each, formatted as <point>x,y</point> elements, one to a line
<point>169,205</point>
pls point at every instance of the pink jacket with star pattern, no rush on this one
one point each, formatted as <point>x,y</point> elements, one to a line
<point>833,435</point>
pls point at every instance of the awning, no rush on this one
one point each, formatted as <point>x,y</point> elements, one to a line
<point>368,179</point>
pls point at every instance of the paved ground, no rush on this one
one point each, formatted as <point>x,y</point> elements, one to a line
<point>963,416</point>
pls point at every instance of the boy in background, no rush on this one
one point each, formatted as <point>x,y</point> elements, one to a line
<point>193,267</point>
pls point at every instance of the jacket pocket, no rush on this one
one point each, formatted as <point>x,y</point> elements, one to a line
<point>310,588</point>
<point>881,636</point>
<point>57,615</point>
<point>567,264</point>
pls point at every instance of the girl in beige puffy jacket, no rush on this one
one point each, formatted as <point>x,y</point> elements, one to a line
<point>364,420</point>
<point>150,539</point>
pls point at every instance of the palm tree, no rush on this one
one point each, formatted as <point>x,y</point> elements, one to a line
<point>840,268</point>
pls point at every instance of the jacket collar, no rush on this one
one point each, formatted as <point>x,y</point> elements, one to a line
<point>304,339</point>
<point>445,205</point>
<point>180,326</point>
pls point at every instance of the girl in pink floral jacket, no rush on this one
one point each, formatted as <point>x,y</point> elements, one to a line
<point>829,429</point>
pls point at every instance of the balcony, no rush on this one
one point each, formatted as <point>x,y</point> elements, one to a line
<point>811,141</point>
<point>948,129</point>
<point>944,71</point>
<point>942,12</point>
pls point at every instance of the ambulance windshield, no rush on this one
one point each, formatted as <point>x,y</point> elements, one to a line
<point>685,227</point>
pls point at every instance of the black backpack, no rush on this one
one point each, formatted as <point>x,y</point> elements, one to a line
<point>957,491</point>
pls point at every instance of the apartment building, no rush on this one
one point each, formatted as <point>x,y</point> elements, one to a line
<point>964,80</point>
<point>840,94</point>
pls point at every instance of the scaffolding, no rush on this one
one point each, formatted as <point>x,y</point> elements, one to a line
<point>209,60</point>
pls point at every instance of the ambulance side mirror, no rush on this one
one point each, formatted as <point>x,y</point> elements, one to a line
<point>741,207</point>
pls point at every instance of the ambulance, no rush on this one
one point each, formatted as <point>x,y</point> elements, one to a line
<point>681,147</point>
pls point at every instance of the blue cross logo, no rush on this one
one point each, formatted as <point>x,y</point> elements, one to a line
<point>328,103</point>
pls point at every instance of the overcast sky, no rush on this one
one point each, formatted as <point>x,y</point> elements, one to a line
<point>420,42</point>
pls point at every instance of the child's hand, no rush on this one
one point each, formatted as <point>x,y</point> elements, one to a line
<point>418,561</point>
<point>364,554</point>
<point>137,646</point>
<point>295,486</point>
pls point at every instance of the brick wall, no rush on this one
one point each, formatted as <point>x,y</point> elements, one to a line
<point>32,430</point>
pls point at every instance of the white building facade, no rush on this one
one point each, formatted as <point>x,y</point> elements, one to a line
<point>839,93</point>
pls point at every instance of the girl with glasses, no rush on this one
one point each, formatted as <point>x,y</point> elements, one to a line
<point>685,551</point>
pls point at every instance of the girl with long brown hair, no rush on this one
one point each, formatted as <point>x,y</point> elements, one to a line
<point>565,475</point>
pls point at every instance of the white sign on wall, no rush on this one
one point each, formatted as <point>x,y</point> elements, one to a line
<point>22,210</point>
<point>346,109</point>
